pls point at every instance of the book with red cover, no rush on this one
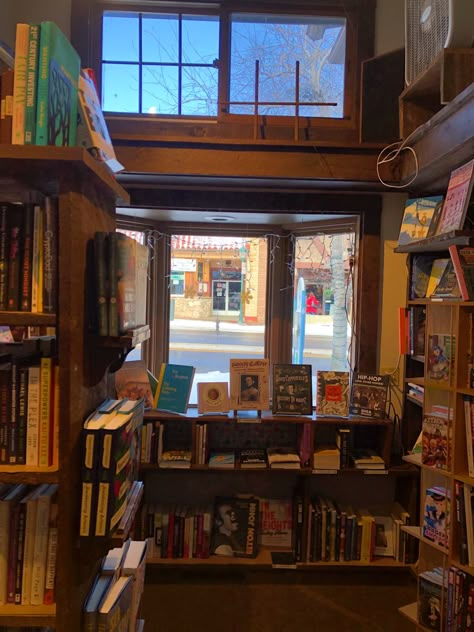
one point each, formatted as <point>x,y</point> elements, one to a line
<point>457,199</point>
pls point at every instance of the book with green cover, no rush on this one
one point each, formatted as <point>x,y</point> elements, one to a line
<point>58,78</point>
<point>174,387</point>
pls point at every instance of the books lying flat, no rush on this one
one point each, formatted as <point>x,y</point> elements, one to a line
<point>222,460</point>
<point>283,458</point>
<point>176,459</point>
<point>326,457</point>
<point>253,457</point>
<point>367,460</point>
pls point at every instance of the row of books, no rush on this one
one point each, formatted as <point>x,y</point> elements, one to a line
<point>412,326</point>
<point>29,391</point>
<point>110,463</point>
<point>460,601</point>
<point>121,277</point>
<point>438,215</point>
<point>468,401</point>
<point>338,532</point>
<point>28,544</point>
<point>114,599</point>
<point>464,508</point>
<point>28,256</point>
<point>432,591</point>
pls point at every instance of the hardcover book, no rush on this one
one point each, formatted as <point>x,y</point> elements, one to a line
<point>276,523</point>
<point>436,516</point>
<point>441,349</point>
<point>457,199</point>
<point>447,286</point>
<point>224,460</point>
<point>58,78</point>
<point>435,441</point>
<point>253,457</point>
<point>369,395</point>
<point>463,263</point>
<point>174,387</point>
<point>235,529</point>
<point>417,218</point>
<point>19,84</point>
<point>131,382</point>
<point>249,384</point>
<point>292,389</point>
<point>332,393</point>
<point>213,397</point>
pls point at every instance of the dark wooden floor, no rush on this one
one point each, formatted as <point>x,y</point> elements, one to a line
<point>350,601</point>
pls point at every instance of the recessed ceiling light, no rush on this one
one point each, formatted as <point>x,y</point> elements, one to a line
<point>220,219</point>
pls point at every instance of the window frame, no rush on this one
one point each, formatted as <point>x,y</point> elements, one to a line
<point>359,45</point>
<point>279,309</point>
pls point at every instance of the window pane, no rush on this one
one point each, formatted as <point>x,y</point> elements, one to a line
<point>160,89</point>
<point>199,94</point>
<point>322,314</point>
<point>160,41</point>
<point>221,314</point>
<point>120,87</point>
<point>278,42</point>
<point>200,39</point>
<point>120,37</point>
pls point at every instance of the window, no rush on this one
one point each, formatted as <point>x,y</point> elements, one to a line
<point>279,43</point>
<point>177,64</point>
<point>160,63</point>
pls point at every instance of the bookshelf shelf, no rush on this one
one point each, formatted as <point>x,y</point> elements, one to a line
<point>440,242</point>
<point>24,474</point>
<point>18,616</point>
<point>27,319</point>
<point>410,611</point>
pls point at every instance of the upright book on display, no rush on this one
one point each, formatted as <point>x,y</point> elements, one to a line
<point>249,384</point>
<point>369,395</point>
<point>174,387</point>
<point>332,393</point>
<point>292,389</point>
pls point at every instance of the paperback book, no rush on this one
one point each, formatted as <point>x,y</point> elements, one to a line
<point>276,523</point>
<point>463,263</point>
<point>131,381</point>
<point>213,397</point>
<point>440,356</point>
<point>417,218</point>
<point>174,387</point>
<point>235,529</point>
<point>432,593</point>
<point>222,460</point>
<point>369,395</point>
<point>435,441</point>
<point>436,516</point>
<point>333,393</point>
<point>249,384</point>
<point>292,389</point>
<point>457,199</point>
<point>253,458</point>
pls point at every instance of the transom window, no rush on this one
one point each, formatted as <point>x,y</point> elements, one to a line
<point>275,65</point>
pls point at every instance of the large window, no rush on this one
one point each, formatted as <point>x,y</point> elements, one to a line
<point>177,64</point>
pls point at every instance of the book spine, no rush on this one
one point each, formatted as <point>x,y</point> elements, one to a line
<point>5,409</point>
<point>30,534</point>
<point>19,84</point>
<point>27,258</point>
<point>35,268</point>
<point>4,250</point>
<point>13,551</point>
<point>113,284</point>
<point>51,555</point>
<point>13,420</point>
<point>22,415</point>
<point>6,111</point>
<point>40,549</point>
<point>14,260</point>
<point>33,398</point>
<point>41,128</point>
<point>50,256</point>
<point>4,546</point>
<point>31,74</point>
<point>100,242</point>
<point>20,554</point>
<point>46,380</point>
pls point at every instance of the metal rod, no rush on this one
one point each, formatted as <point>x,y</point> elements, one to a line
<point>256,104</point>
<point>297,98</point>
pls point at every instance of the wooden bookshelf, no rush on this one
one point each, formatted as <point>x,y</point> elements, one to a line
<point>27,319</point>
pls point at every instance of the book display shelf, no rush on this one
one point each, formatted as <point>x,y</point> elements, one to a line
<point>86,194</point>
<point>443,371</point>
<point>195,485</point>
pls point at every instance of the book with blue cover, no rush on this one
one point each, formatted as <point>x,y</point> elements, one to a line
<point>174,387</point>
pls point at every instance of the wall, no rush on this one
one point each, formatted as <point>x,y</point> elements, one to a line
<point>13,11</point>
<point>389,26</point>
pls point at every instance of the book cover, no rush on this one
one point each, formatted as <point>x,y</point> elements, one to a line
<point>420,275</point>
<point>441,349</point>
<point>435,450</point>
<point>430,598</point>
<point>40,552</point>
<point>436,516</point>
<point>283,457</point>
<point>225,460</point>
<point>131,382</point>
<point>417,218</point>
<point>115,609</point>
<point>15,231</point>
<point>384,535</point>
<point>126,282</point>
<point>58,78</point>
<point>235,531</point>
<point>253,458</point>
<point>276,523</point>
<point>174,387</point>
<point>249,384</point>
<point>463,263</point>
<point>457,199</point>
<point>292,389</point>
<point>213,397</point>
<point>369,395</point>
<point>332,393</point>
<point>436,273</point>
<point>92,132</point>
<point>100,274</point>
<point>447,286</point>
<point>134,566</point>
<point>101,586</point>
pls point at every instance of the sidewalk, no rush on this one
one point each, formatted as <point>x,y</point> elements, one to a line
<point>315,326</point>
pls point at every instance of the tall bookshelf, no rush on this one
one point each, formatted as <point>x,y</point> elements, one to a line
<point>451,322</point>
<point>86,195</point>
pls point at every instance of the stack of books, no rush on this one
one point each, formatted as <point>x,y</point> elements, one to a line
<point>368,460</point>
<point>253,458</point>
<point>326,457</point>
<point>173,459</point>
<point>283,458</point>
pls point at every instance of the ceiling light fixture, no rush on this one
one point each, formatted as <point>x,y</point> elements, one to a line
<point>220,219</point>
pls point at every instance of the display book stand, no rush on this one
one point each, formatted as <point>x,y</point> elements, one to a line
<point>451,323</point>
<point>198,485</point>
<point>86,194</point>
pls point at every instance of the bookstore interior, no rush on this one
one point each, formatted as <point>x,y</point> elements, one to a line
<point>237,315</point>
